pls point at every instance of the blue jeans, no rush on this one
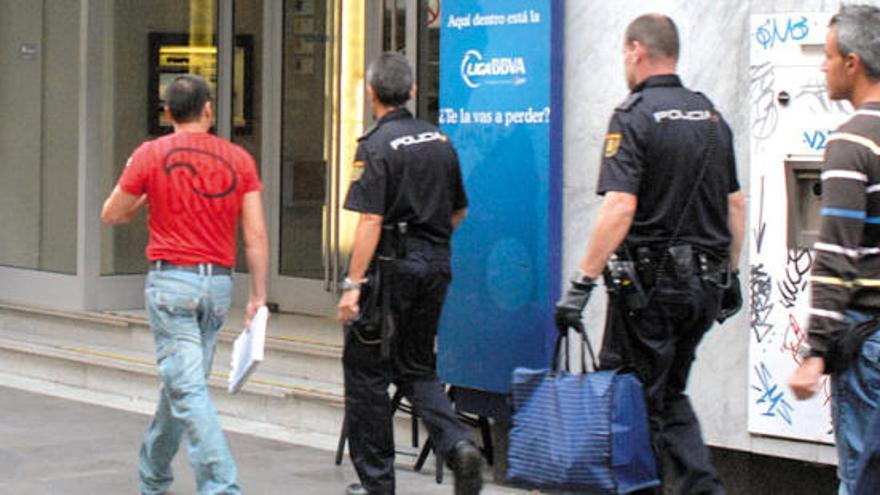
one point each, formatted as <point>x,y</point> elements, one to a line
<point>186,311</point>
<point>869,463</point>
<point>855,396</point>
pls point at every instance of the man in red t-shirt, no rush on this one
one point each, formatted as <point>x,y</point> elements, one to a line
<point>197,187</point>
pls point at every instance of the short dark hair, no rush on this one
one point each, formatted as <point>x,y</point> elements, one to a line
<point>186,96</point>
<point>857,32</point>
<point>391,78</point>
<point>657,33</point>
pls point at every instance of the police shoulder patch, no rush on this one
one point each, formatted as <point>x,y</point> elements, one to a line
<point>357,170</point>
<point>612,143</point>
<point>629,102</point>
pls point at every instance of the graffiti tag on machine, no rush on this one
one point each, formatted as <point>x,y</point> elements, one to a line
<point>775,31</point>
<point>760,290</point>
<point>797,267</point>
<point>772,396</point>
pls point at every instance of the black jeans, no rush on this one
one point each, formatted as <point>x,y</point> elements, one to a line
<point>661,341</point>
<point>418,284</point>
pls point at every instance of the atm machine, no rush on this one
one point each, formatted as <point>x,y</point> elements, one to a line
<point>791,118</point>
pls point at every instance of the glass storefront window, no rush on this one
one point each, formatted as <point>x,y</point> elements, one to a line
<point>149,42</point>
<point>247,80</point>
<point>247,90</point>
<point>39,94</point>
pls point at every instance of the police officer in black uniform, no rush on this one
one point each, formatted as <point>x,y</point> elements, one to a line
<point>409,192</point>
<point>667,239</point>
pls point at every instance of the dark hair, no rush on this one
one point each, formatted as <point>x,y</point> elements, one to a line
<point>186,96</point>
<point>858,32</point>
<point>391,78</point>
<point>657,33</point>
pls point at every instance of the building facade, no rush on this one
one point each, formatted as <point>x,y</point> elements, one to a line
<point>82,87</point>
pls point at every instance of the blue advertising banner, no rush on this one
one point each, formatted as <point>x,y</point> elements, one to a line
<point>500,105</point>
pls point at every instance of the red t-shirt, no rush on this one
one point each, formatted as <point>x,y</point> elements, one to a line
<point>194,184</point>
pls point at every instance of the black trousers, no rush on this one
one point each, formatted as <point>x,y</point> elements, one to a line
<point>418,284</point>
<point>662,340</point>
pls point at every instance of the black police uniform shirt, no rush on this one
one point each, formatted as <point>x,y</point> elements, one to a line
<point>657,142</point>
<point>407,171</point>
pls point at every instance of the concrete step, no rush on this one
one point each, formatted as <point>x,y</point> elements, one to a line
<point>266,398</point>
<point>297,346</point>
<point>298,385</point>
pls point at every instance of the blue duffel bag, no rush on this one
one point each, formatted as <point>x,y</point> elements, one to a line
<point>580,431</point>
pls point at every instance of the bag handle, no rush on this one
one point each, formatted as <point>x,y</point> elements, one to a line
<point>586,347</point>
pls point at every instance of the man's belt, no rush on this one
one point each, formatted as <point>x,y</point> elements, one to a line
<point>207,269</point>
<point>702,261</point>
<point>680,261</point>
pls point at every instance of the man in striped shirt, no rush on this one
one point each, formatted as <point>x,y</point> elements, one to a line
<point>846,273</point>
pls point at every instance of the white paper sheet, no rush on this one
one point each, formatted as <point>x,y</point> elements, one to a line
<point>247,351</point>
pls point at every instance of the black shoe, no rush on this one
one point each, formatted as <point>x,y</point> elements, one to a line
<point>467,464</point>
<point>356,489</point>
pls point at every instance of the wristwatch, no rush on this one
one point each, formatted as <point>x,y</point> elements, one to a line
<point>348,284</point>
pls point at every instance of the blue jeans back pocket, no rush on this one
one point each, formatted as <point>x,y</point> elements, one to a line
<point>173,303</point>
<point>168,310</point>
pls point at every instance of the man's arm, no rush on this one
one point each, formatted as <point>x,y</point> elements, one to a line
<point>457,217</point>
<point>614,220</point>
<point>366,239</point>
<point>736,223</point>
<point>121,207</point>
<point>256,245</point>
<point>805,381</point>
<point>844,207</point>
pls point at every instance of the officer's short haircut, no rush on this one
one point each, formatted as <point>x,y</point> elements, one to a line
<point>186,96</point>
<point>858,31</point>
<point>391,78</point>
<point>657,33</point>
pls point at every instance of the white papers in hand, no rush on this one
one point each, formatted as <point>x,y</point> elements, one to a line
<point>247,351</point>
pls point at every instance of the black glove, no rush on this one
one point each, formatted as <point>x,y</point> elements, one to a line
<point>572,303</point>
<point>731,299</point>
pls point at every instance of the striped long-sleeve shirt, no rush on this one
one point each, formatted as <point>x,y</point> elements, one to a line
<point>846,273</point>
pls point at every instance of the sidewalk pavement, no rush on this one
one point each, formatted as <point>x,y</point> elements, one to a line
<point>55,446</point>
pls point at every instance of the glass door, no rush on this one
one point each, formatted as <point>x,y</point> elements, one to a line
<point>306,140</point>
<point>317,114</point>
<point>320,116</point>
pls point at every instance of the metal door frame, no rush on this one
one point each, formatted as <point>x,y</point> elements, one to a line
<point>293,294</point>
<point>290,293</point>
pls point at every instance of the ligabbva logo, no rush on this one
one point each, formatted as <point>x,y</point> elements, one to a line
<point>477,70</point>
